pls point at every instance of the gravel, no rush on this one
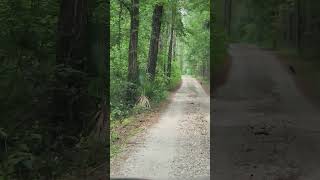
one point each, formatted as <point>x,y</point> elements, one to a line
<point>263,126</point>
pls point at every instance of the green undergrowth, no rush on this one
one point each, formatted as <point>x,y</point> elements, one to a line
<point>122,129</point>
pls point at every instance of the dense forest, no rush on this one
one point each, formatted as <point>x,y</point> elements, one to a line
<point>53,72</point>
<point>273,24</point>
<point>290,27</point>
<point>218,41</point>
<point>152,44</point>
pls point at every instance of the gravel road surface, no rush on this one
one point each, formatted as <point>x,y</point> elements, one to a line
<point>263,126</point>
<point>177,146</point>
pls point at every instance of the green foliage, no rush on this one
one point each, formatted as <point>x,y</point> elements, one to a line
<point>175,75</point>
<point>260,22</point>
<point>197,45</point>
<point>190,23</point>
<point>31,145</point>
<point>144,91</point>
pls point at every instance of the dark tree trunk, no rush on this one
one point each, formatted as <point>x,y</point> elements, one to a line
<point>170,53</point>
<point>299,14</point>
<point>133,44</point>
<point>174,45</point>
<point>167,37</point>
<point>72,31</point>
<point>154,40</point>
<point>71,54</point>
<point>227,14</point>
<point>171,41</point>
<point>119,33</point>
<point>230,17</point>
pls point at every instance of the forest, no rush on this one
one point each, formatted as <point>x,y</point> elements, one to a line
<point>54,59</point>
<point>153,43</point>
<point>57,62</point>
<point>272,24</point>
<point>288,27</point>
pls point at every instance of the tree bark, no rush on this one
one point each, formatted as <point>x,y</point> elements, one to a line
<point>171,42</point>
<point>154,41</point>
<point>133,44</point>
<point>71,53</point>
<point>170,53</point>
<point>72,31</point>
<point>119,27</point>
<point>174,45</point>
<point>230,17</point>
<point>299,14</point>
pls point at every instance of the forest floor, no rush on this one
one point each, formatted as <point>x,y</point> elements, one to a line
<point>264,126</point>
<point>176,145</point>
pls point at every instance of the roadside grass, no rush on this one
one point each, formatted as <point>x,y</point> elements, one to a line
<point>121,132</point>
<point>307,74</point>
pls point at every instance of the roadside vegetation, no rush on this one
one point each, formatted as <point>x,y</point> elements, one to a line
<point>53,93</point>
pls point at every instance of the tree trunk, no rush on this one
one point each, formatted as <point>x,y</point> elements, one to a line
<point>72,31</point>
<point>170,52</point>
<point>71,54</point>
<point>225,14</point>
<point>174,45</point>
<point>154,40</point>
<point>119,33</point>
<point>299,14</point>
<point>133,44</point>
<point>230,17</point>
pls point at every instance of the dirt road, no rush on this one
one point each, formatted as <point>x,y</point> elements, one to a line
<point>263,126</point>
<point>177,146</point>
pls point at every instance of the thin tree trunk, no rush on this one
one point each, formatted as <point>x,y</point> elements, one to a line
<point>298,6</point>
<point>171,43</point>
<point>154,40</point>
<point>230,17</point>
<point>133,44</point>
<point>170,53</point>
<point>174,45</point>
<point>226,13</point>
<point>119,27</point>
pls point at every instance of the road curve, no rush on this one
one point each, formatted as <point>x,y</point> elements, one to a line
<point>177,146</point>
<point>263,126</point>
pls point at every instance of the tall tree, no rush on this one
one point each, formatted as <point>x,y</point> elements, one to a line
<point>299,24</point>
<point>227,15</point>
<point>230,17</point>
<point>119,28</point>
<point>71,57</point>
<point>154,40</point>
<point>133,44</point>
<point>171,40</point>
